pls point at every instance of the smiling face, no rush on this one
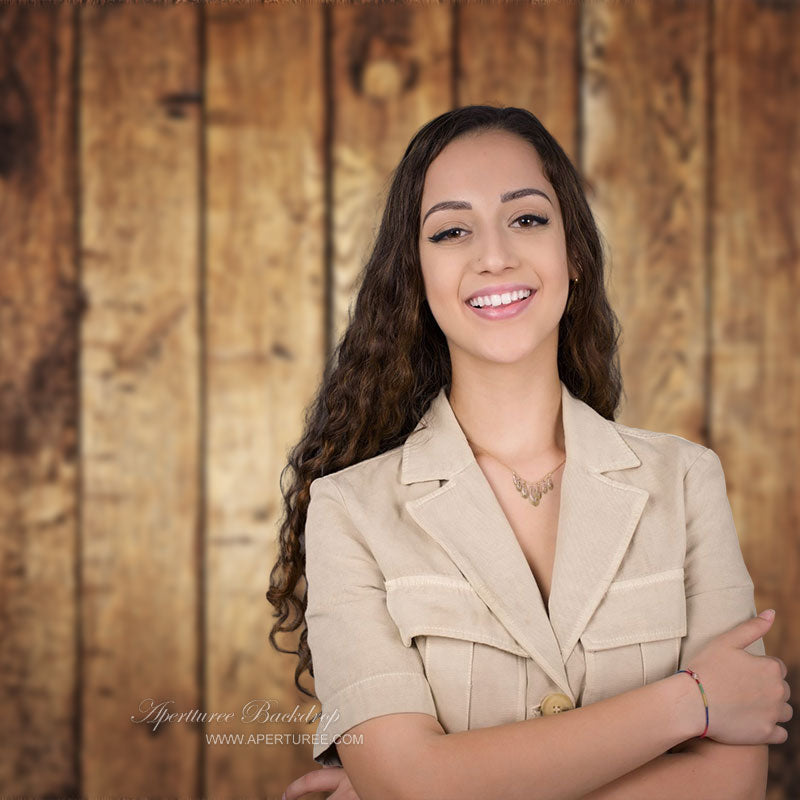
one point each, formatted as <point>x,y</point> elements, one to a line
<point>482,236</point>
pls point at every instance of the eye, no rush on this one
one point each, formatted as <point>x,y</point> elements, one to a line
<point>540,218</point>
<point>444,235</point>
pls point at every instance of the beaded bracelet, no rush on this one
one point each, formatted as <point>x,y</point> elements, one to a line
<point>691,673</point>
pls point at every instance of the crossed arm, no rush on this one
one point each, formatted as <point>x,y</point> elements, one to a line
<point>405,757</point>
<point>698,768</point>
<point>693,769</point>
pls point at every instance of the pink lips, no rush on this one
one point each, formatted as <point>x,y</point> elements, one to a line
<point>503,312</point>
<point>500,288</point>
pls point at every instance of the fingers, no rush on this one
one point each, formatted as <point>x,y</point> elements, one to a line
<point>319,780</point>
<point>778,736</point>
<point>784,670</point>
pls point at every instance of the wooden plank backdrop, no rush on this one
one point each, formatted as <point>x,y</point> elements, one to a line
<point>139,414</point>
<point>40,307</point>
<point>187,196</point>
<point>265,337</point>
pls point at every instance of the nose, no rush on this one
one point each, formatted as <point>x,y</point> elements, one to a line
<point>494,251</point>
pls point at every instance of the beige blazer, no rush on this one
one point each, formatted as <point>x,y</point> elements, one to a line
<point>421,599</point>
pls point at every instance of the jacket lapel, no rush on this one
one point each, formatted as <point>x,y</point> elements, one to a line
<point>597,517</point>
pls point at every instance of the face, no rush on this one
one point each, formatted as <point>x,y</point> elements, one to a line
<point>491,240</point>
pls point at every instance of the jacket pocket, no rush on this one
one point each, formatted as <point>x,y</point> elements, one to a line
<point>634,636</point>
<point>475,668</point>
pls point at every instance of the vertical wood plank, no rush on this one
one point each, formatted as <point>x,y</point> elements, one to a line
<point>40,306</point>
<point>644,148</point>
<point>265,301</point>
<point>531,62</point>
<point>755,399</point>
<point>391,73</point>
<point>139,146</point>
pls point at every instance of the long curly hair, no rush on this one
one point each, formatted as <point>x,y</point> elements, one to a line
<point>393,358</point>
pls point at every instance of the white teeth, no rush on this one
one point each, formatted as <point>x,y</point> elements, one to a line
<point>499,299</point>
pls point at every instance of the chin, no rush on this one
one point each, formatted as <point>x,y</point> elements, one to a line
<point>504,355</point>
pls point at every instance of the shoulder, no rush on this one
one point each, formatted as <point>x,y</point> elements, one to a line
<point>662,450</point>
<point>376,475</point>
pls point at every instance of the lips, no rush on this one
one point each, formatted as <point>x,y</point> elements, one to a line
<point>501,312</point>
<point>499,288</point>
<point>495,300</point>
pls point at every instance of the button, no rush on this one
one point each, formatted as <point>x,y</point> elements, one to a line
<point>556,703</point>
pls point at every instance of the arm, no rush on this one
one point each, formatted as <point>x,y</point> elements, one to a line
<point>361,667</point>
<point>561,756</point>
<point>719,595</point>
<point>702,769</point>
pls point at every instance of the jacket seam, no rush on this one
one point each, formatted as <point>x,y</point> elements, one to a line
<point>362,538</point>
<point>442,581</point>
<point>341,498</point>
<point>699,456</point>
<point>465,635</point>
<point>721,588</point>
<point>375,677</point>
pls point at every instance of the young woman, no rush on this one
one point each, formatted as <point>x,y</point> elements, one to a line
<point>484,547</point>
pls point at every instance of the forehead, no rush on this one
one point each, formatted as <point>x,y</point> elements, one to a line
<point>487,163</point>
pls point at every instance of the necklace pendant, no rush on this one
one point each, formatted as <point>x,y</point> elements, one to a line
<point>533,492</point>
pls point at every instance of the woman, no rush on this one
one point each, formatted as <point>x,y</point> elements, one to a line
<point>483,545</point>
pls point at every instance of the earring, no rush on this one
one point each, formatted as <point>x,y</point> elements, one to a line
<point>573,282</point>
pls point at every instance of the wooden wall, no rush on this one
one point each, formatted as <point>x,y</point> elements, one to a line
<point>187,193</point>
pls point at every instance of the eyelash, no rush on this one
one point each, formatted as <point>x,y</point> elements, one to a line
<point>540,218</point>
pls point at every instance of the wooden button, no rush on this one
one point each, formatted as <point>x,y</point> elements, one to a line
<point>556,703</point>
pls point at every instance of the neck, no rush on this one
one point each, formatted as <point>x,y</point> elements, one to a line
<point>516,421</point>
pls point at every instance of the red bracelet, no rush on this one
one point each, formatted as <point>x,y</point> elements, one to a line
<point>691,673</point>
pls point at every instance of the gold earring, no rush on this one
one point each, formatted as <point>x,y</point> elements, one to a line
<point>571,294</point>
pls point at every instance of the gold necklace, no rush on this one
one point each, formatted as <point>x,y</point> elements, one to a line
<point>531,491</point>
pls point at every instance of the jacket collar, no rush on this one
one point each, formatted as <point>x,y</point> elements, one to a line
<point>597,517</point>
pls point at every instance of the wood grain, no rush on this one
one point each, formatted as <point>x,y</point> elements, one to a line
<point>390,74</point>
<point>266,316</point>
<point>644,145</point>
<point>532,62</point>
<point>755,399</point>
<point>140,390</point>
<point>40,306</point>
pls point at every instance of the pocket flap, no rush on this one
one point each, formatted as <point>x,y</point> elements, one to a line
<point>640,609</point>
<point>437,605</point>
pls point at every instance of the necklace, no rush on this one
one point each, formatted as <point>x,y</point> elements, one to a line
<point>531,491</point>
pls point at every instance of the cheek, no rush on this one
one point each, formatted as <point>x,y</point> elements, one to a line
<point>441,287</point>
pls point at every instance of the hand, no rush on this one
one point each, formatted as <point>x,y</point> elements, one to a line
<point>747,695</point>
<point>327,779</point>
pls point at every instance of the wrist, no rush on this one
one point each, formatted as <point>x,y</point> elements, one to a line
<point>688,717</point>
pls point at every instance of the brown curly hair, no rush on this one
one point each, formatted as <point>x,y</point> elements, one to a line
<point>393,358</point>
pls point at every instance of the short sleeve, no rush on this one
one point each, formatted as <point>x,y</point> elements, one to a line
<point>362,669</point>
<point>719,589</point>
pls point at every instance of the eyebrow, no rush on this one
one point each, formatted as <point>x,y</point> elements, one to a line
<point>459,205</point>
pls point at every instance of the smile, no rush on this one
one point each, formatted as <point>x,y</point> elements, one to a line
<point>501,306</point>
<point>504,299</point>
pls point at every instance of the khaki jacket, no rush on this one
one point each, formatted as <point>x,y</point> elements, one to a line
<point>421,599</point>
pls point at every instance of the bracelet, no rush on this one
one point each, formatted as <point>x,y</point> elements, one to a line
<point>692,674</point>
